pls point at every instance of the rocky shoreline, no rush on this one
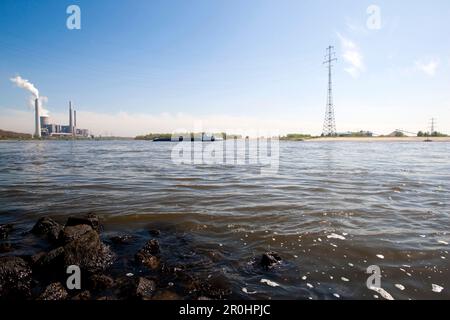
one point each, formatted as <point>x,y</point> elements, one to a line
<point>44,275</point>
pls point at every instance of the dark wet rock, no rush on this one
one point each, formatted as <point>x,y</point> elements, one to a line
<point>217,287</point>
<point>84,295</point>
<point>85,251</point>
<point>154,232</point>
<point>72,233</point>
<point>270,259</point>
<point>145,288</point>
<point>5,229</point>
<point>89,253</point>
<point>6,247</point>
<point>122,239</point>
<point>135,288</point>
<point>35,258</point>
<point>47,227</point>
<point>148,255</point>
<point>15,278</point>
<point>151,262</point>
<point>54,291</point>
<point>90,220</point>
<point>166,295</point>
<point>168,269</point>
<point>187,282</point>
<point>49,261</point>
<point>151,247</point>
<point>100,282</point>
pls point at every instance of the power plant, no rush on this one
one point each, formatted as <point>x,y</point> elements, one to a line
<point>46,129</point>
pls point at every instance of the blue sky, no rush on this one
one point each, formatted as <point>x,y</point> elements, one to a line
<point>144,66</point>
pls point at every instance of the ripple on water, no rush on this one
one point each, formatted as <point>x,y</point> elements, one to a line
<point>332,211</point>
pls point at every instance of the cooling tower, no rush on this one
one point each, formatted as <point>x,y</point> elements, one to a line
<point>37,133</point>
<point>45,121</point>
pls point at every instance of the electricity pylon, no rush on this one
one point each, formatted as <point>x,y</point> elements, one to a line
<point>329,125</point>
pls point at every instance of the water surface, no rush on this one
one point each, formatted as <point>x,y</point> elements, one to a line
<point>332,210</point>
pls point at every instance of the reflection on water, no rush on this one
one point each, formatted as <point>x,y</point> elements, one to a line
<point>332,210</point>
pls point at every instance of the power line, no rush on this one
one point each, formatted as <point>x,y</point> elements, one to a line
<point>329,125</point>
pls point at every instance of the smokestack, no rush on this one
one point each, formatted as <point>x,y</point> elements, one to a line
<point>37,133</point>
<point>70,118</point>
<point>75,118</point>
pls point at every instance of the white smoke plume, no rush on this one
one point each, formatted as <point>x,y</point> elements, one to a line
<point>42,103</point>
<point>25,84</point>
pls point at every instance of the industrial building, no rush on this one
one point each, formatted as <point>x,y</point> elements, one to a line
<point>46,129</point>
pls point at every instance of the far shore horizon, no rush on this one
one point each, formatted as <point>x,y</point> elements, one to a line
<point>379,139</point>
<point>9,135</point>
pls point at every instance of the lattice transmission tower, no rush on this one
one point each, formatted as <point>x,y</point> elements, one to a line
<point>432,126</point>
<point>329,125</point>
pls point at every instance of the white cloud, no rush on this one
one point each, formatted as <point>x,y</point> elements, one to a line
<point>429,67</point>
<point>353,56</point>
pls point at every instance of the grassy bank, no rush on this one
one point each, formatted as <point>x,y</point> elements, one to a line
<point>9,135</point>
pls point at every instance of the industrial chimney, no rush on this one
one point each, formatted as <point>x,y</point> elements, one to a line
<point>70,118</point>
<point>75,122</point>
<point>37,133</point>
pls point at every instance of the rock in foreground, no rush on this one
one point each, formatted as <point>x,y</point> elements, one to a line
<point>42,274</point>
<point>90,220</point>
<point>15,278</point>
<point>84,250</point>
<point>270,259</point>
<point>145,288</point>
<point>89,253</point>
<point>70,234</point>
<point>148,255</point>
<point>5,229</point>
<point>47,227</point>
<point>99,282</point>
<point>136,288</point>
<point>54,291</point>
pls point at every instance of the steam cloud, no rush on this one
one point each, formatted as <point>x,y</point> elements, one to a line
<point>27,85</point>
<point>42,103</point>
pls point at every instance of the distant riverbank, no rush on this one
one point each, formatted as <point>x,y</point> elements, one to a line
<point>9,135</point>
<point>378,139</point>
<point>319,139</point>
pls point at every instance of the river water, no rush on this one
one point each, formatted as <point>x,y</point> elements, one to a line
<point>330,211</point>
